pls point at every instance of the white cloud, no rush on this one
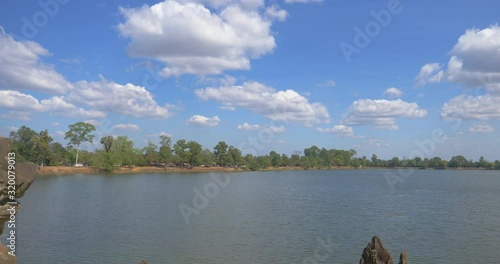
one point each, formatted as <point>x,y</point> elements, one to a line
<point>285,105</point>
<point>479,49</point>
<point>191,39</point>
<point>129,127</point>
<point>227,108</point>
<point>248,127</point>
<point>22,68</point>
<point>276,13</point>
<point>17,101</point>
<point>472,107</point>
<point>474,63</point>
<point>429,73</point>
<point>480,129</point>
<point>393,93</point>
<point>338,130</point>
<point>56,124</point>
<point>200,120</point>
<point>276,129</point>
<point>58,106</point>
<point>27,104</point>
<point>381,113</point>
<point>329,83</point>
<point>111,97</point>
<point>273,129</point>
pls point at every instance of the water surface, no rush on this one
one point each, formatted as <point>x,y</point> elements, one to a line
<point>260,217</point>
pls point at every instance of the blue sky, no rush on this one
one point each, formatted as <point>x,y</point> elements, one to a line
<point>395,78</point>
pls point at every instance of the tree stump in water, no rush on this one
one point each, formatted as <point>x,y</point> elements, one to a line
<point>376,253</point>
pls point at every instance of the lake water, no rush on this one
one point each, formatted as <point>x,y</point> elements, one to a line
<point>260,217</point>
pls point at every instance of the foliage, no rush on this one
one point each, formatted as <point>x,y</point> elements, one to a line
<point>38,147</point>
<point>78,133</point>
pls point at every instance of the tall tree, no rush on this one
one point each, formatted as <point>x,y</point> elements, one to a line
<point>123,151</point>
<point>78,133</point>
<point>181,152</point>
<point>220,151</point>
<point>375,162</point>
<point>41,148</point>
<point>165,148</point>
<point>150,152</point>
<point>275,158</point>
<point>107,143</point>
<point>235,156</point>
<point>23,144</point>
<point>194,153</point>
<point>58,154</point>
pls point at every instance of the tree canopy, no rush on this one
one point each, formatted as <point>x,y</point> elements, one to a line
<point>117,151</point>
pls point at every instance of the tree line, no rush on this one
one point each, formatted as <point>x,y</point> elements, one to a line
<point>39,147</point>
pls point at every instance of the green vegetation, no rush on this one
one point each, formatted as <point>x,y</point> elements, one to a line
<point>78,133</point>
<point>120,151</point>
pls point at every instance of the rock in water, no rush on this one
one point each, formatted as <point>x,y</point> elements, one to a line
<point>403,258</point>
<point>376,253</point>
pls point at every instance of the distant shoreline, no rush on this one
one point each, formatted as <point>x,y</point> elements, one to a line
<point>69,170</point>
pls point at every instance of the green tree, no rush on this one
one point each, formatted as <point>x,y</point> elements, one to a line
<point>325,158</point>
<point>275,158</point>
<point>78,133</point>
<point>22,144</point>
<point>207,157</point>
<point>483,163</point>
<point>58,154</point>
<point>165,149</point>
<point>194,153</point>
<point>220,151</point>
<point>235,156</point>
<point>395,162</point>
<point>458,161</point>
<point>295,160</point>
<point>106,160</point>
<point>123,151</point>
<point>41,148</point>
<point>107,143</point>
<point>375,160</point>
<point>285,160</point>
<point>150,152</point>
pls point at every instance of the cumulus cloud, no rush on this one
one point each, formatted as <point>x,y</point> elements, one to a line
<point>26,105</point>
<point>247,127</point>
<point>429,73</point>
<point>192,39</point>
<point>338,130</point>
<point>23,69</point>
<point>480,129</point>
<point>473,63</point>
<point>382,113</point>
<point>123,99</point>
<point>200,120</point>
<point>129,127</point>
<point>472,107</point>
<point>393,93</point>
<point>285,105</point>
